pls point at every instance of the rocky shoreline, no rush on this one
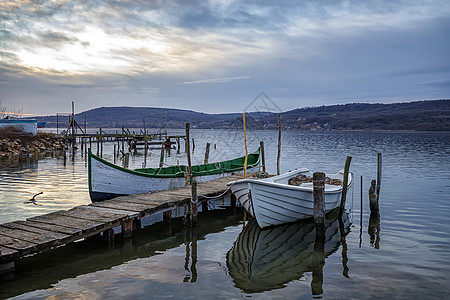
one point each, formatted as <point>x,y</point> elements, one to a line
<point>16,145</point>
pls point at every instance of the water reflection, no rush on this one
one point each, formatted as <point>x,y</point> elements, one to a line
<point>45,269</point>
<point>374,230</point>
<point>262,260</point>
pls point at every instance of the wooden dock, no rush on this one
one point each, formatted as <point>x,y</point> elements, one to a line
<point>41,233</point>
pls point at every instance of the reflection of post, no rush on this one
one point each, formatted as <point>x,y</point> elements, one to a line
<point>194,255</point>
<point>374,230</point>
<point>190,242</point>
<point>344,248</point>
<point>318,261</point>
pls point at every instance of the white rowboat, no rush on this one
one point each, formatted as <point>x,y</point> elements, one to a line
<point>272,201</point>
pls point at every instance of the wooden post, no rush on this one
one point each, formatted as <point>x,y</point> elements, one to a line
<point>344,185</point>
<point>101,143</point>
<point>279,144</point>
<point>263,158</point>
<point>178,145</point>
<point>319,194</point>
<point>207,153</point>
<point>127,228</point>
<point>167,216</point>
<point>188,151</point>
<point>361,214</point>
<point>114,153</point>
<point>378,176</point>
<point>194,202</point>
<point>193,145</point>
<point>373,199</point>
<point>126,160</point>
<point>161,157</point>
<point>245,143</point>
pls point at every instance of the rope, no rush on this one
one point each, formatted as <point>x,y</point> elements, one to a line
<point>218,196</point>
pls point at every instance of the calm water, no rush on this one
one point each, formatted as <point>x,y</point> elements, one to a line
<point>404,256</point>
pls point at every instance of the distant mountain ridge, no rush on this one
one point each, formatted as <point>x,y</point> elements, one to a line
<point>432,115</point>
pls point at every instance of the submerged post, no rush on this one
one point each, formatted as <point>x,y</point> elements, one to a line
<point>344,185</point>
<point>379,176</point>
<point>207,153</point>
<point>279,144</point>
<point>319,194</point>
<point>263,159</point>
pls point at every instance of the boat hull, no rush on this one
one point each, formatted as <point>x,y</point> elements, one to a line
<point>107,181</point>
<point>273,202</point>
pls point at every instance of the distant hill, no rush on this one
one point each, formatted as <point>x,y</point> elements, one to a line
<point>433,115</point>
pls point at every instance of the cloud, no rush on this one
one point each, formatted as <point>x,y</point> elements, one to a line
<point>217,80</point>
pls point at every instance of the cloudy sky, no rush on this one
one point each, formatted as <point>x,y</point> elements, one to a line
<point>218,55</point>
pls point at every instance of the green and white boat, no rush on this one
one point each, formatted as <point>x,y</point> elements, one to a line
<point>107,180</point>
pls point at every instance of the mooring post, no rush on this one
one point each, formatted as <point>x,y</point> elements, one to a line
<point>373,199</point>
<point>188,207</point>
<point>126,160</point>
<point>279,144</point>
<point>263,158</point>
<point>245,143</point>
<point>161,157</point>
<point>207,153</point>
<point>344,186</point>
<point>101,143</point>
<point>378,176</point>
<point>114,153</point>
<point>178,145</point>
<point>193,145</point>
<point>319,205</point>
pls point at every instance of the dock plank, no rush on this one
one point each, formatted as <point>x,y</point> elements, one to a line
<point>42,241</point>
<point>81,212</point>
<point>123,205</point>
<point>129,213</point>
<point>47,233</point>
<point>52,227</point>
<point>58,218</point>
<point>22,246</point>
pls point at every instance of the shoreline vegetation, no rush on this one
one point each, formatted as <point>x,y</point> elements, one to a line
<point>13,141</point>
<point>430,115</point>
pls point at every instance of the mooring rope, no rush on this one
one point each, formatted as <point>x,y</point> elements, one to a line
<point>218,196</point>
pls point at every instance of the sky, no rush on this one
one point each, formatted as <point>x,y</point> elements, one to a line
<point>220,56</point>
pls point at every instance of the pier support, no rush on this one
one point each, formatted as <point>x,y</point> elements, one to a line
<point>344,186</point>
<point>127,228</point>
<point>7,267</point>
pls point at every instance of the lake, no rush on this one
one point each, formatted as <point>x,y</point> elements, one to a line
<point>403,255</point>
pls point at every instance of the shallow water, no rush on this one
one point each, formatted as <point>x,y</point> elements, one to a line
<point>403,256</point>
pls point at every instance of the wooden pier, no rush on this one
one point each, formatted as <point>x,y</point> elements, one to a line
<point>41,233</point>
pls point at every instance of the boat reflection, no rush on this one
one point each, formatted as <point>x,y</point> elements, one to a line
<point>267,259</point>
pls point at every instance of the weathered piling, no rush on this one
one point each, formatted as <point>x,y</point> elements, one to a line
<point>126,160</point>
<point>207,153</point>
<point>378,175</point>
<point>245,143</point>
<point>319,205</point>
<point>318,257</point>
<point>344,185</point>
<point>373,199</point>
<point>279,144</point>
<point>161,157</point>
<point>263,159</point>
<point>193,145</point>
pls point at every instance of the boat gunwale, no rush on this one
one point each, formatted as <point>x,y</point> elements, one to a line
<point>173,175</point>
<point>271,183</point>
